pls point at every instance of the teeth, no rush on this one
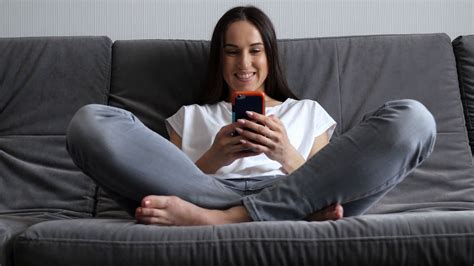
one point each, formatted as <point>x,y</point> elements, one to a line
<point>244,75</point>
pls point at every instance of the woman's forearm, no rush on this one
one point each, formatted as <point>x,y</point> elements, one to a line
<point>207,164</point>
<point>292,162</point>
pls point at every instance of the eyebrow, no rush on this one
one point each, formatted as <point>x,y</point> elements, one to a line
<point>235,46</point>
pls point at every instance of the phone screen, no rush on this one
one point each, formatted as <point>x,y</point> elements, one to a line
<point>247,102</point>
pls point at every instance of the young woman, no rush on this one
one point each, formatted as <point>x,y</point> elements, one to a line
<point>279,167</point>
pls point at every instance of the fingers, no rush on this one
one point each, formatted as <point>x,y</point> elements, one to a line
<point>230,135</point>
<point>226,131</point>
<point>272,122</point>
<point>271,139</point>
<point>269,126</point>
<point>227,137</point>
<point>253,127</point>
<point>250,137</point>
<point>256,148</point>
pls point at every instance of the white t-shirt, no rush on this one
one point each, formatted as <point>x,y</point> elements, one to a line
<point>197,125</point>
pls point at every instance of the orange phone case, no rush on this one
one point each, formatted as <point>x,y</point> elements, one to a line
<point>249,93</point>
<point>237,112</point>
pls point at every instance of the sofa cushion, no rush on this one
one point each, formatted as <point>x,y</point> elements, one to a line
<point>153,77</point>
<point>433,238</point>
<point>44,80</point>
<point>375,69</point>
<point>10,227</point>
<point>464,51</point>
<point>145,80</point>
<point>349,76</point>
<point>106,207</point>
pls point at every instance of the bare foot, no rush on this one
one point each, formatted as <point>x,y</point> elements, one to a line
<point>333,212</point>
<point>172,210</point>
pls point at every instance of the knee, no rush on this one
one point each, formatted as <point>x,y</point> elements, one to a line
<point>94,124</point>
<point>86,112</point>
<point>86,126</point>
<point>82,121</point>
<point>415,126</point>
<point>419,120</point>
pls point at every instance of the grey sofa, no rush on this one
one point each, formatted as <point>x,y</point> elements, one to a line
<point>53,214</point>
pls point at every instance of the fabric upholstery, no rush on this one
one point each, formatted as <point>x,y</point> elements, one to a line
<point>427,220</point>
<point>10,227</point>
<point>349,76</point>
<point>144,80</point>
<point>464,50</point>
<point>44,80</point>
<point>106,207</point>
<point>375,69</point>
<point>432,238</point>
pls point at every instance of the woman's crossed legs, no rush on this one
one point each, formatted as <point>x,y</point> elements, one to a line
<point>139,168</point>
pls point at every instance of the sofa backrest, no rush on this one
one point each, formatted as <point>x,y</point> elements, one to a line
<point>349,76</point>
<point>464,51</point>
<point>43,82</point>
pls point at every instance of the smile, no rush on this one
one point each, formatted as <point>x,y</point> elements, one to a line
<point>245,76</point>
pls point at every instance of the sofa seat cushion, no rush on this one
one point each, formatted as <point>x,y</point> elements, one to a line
<point>10,227</point>
<point>425,238</point>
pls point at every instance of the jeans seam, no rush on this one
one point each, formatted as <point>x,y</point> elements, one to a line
<point>251,208</point>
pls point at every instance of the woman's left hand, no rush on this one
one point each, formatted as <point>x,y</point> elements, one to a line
<point>267,134</point>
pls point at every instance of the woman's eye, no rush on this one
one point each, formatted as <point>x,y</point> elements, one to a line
<point>231,52</point>
<point>255,51</point>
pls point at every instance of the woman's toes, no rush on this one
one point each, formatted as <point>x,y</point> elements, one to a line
<point>155,201</point>
<point>332,212</point>
<point>339,212</point>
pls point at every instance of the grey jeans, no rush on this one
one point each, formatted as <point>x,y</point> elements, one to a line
<point>130,161</point>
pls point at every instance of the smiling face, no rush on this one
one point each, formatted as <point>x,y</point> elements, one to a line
<point>245,65</point>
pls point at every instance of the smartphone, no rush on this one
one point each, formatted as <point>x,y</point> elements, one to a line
<point>243,101</point>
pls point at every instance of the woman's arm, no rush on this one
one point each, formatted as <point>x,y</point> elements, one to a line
<point>319,143</point>
<point>295,161</point>
<point>174,137</point>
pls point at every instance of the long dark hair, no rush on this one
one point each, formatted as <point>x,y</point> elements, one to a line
<point>215,88</point>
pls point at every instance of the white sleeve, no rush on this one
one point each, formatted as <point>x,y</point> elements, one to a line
<point>322,120</point>
<point>176,122</point>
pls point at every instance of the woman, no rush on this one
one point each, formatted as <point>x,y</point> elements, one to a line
<point>269,171</point>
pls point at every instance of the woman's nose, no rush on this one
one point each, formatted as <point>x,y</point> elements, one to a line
<point>245,60</point>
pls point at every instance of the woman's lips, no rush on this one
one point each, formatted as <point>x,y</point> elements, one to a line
<point>245,77</point>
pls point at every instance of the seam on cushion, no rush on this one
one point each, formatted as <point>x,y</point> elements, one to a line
<point>365,36</point>
<point>232,241</point>
<point>109,74</point>
<point>40,163</point>
<point>465,103</point>
<point>339,86</point>
<point>63,135</point>
<point>49,213</point>
<point>33,135</point>
<point>449,132</point>
<point>95,201</point>
<point>460,68</point>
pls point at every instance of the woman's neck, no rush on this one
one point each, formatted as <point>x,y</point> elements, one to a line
<point>270,102</point>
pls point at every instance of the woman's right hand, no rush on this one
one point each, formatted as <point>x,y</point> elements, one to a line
<point>225,149</point>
